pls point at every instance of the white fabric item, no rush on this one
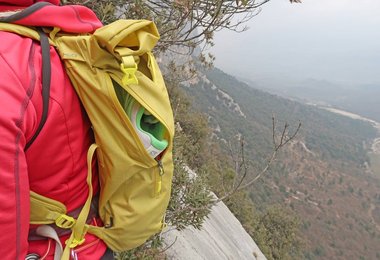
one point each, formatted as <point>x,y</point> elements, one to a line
<point>49,232</point>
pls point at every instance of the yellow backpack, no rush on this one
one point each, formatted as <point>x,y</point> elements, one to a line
<point>109,69</point>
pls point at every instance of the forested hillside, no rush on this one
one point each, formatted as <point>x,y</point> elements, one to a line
<point>320,175</point>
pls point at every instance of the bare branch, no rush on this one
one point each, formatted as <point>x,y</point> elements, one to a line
<point>284,139</point>
<point>274,131</point>
<point>169,246</point>
<point>283,135</point>
<point>289,138</point>
<point>249,183</point>
<point>243,165</point>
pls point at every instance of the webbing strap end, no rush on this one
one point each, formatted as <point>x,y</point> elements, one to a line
<point>129,68</point>
<point>75,242</point>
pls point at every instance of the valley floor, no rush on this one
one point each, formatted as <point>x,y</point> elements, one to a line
<point>375,148</point>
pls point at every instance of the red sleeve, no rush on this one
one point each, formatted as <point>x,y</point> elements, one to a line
<point>14,184</point>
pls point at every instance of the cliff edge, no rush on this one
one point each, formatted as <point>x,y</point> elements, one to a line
<point>221,237</point>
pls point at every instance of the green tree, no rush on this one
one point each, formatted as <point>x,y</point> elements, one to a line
<point>276,234</point>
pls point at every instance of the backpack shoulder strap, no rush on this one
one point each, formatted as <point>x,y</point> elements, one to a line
<point>46,79</point>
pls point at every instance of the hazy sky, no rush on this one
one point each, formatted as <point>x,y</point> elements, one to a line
<point>336,40</point>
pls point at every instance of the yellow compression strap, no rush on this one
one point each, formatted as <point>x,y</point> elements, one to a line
<point>80,228</point>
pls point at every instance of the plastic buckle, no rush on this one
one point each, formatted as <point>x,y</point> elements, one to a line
<point>65,221</point>
<point>76,243</point>
<point>129,68</point>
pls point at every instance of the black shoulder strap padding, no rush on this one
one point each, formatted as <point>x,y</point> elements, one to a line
<point>46,77</point>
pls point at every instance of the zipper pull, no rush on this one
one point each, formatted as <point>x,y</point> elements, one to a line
<point>161,172</point>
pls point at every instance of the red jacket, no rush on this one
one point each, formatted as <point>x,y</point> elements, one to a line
<point>55,164</point>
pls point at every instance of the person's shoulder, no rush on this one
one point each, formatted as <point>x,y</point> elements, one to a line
<point>17,54</point>
<point>13,46</point>
<point>11,41</point>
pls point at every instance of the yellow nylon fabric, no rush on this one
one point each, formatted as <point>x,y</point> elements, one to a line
<point>130,204</point>
<point>21,30</point>
<point>46,210</point>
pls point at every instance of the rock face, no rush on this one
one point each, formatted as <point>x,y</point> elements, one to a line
<point>221,237</point>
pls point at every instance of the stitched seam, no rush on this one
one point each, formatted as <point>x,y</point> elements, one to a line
<point>19,123</point>
<point>67,134</point>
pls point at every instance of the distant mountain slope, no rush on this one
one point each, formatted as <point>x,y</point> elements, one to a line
<point>321,175</point>
<point>247,111</point>
<point>360,99</point>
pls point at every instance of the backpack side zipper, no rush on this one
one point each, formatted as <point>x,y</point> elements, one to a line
<point>161,173</point>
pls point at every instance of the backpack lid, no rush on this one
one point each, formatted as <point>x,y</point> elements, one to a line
<point>69,18</point>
